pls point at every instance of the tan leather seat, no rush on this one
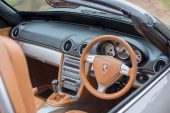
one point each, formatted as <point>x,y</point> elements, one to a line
<point>38,102</point>
<point>14,73</point>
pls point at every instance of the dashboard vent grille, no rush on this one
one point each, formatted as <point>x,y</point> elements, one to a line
<point>16,32</point>
<point>159,64</point>
<point>67,45</point>
<point>82,47</point>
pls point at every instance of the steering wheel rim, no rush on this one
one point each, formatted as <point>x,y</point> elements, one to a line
<point>132,71</point>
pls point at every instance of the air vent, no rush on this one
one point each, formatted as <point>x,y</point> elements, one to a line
<point>67,45</point>
<point>159,64</point>
<point>16,32</point>
<point>82,47</point>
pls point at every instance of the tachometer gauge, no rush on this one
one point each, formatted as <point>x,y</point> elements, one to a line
<point>107,48</point>
<point>138,55</point>
<point>122,53</point>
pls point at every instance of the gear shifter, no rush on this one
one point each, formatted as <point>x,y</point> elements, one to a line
<point>54,84</point>
<point>58,98</point>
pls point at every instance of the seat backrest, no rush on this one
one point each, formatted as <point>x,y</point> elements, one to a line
<point>15,76</point>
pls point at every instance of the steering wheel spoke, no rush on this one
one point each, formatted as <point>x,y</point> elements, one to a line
<point>90,58</point>
<point>101,88</point>
<point>124,70</point>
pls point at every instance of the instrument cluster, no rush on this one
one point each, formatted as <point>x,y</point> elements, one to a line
<point>117,50</point>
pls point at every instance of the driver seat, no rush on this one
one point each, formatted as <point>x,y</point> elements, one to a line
<point>15,77</point>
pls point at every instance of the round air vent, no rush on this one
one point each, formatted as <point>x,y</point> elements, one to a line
<point>142,78</point>
<point>67,45</point>
<point>82,47</point>
<point>15,32</point>
<point>159,64</point>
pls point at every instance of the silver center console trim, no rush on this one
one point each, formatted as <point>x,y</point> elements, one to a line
<point>70,75</point>
<point>40,53</point>
<point>5,104</point>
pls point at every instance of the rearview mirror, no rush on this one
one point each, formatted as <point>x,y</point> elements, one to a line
<point>61,4</point>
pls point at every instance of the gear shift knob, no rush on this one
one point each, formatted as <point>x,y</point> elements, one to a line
<point>54,84</point>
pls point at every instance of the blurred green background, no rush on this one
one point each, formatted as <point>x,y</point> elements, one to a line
<point>166,2</point>
<point>28,5</point>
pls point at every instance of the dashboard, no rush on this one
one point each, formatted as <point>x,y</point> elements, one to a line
<point>118,51</point>
<point>46,41</point>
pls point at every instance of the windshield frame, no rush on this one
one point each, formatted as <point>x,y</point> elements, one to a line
<point>116,15</point>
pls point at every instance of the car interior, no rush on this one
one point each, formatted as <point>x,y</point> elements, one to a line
<point>74,63</point>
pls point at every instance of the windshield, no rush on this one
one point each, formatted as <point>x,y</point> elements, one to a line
<point>158,8</point>
<point>29,5</point>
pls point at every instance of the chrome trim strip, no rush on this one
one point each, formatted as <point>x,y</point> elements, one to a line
<point>101,88</point>
<point>5,104</point>
<point>91,58</point>
<point>127,106</point>
<point>42,54</point>
<point>124,70</point>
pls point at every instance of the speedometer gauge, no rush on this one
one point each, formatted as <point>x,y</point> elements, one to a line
<point>107,48</point>
<point>138,56</point>
<point>121,51</point>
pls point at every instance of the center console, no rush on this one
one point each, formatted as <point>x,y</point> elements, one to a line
<point>70,83</point>
<point>70,75</point>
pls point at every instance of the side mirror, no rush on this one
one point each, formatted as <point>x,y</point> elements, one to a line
<point>61,4</point>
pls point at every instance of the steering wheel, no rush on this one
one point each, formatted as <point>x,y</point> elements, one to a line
<point>108,69</point>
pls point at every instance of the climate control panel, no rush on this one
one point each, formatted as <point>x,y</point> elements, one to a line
<point>70,76</point>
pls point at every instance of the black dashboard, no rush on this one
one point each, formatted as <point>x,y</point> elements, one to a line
<point>71,39</point>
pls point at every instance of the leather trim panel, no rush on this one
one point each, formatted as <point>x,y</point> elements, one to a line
<point>5,32</point>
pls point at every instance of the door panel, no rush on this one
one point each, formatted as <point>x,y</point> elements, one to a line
<point>156,100</point>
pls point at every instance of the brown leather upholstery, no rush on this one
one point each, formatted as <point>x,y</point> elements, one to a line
<point>106,77</point>
<point>34,90</point>
<point>38,102</point>
<point>14,73</point>
<point>59,99</point>
<point>132,70</point>
<point>75,111</point>
<point>5,32</point>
